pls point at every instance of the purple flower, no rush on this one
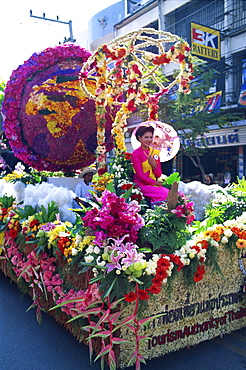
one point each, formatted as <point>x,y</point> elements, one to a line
<point>47,227</point>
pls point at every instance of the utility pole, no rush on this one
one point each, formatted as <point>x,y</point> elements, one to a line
<point>70,39</point>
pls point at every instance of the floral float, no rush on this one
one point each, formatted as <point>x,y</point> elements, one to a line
<point>105,272</point>
<point>131,282</point>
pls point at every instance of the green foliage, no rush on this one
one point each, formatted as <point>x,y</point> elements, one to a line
<point>121,168</point>
<point>24,212</point>
<point>167,183</point>
<point>49,214</point>
<point>163,230</point>
<point>7,201</point>
<point>114,286</point>
<point>212,258</point>
<point>231,205</point>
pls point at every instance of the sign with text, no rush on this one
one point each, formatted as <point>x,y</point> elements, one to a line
<point>205,41</point>
<point>188,315</point>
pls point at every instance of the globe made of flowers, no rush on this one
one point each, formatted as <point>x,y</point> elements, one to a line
<point>165,139</point>
<point>49,121</point>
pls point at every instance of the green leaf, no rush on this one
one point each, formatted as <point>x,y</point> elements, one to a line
<point>120,340</point>
<point>103,352</point>
<point>73,300</point>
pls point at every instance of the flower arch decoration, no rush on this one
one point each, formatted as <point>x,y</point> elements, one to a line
<point>49,121</point>
<point>122,70</point>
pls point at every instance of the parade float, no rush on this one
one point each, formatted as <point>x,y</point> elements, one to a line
<point>131,281</point>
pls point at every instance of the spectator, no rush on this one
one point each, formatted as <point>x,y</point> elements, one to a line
<point>84,188</point>
<point>209,179</point>
<point>229,175</point>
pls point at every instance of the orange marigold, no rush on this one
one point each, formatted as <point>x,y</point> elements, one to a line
<point>215,235</point>
<point>241,243</point>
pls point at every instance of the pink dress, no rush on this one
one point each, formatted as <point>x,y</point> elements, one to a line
<point>145,178</point>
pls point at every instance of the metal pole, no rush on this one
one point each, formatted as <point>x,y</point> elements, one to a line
<point>71,39</point>
<point>71,31</point>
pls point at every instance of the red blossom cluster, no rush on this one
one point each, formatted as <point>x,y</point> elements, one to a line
<point>161,59</point>
<point>200,271</point>
<point>132,297</point>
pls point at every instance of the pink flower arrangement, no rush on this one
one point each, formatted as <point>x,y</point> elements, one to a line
<point>184,209</point>
<point>115,218</point>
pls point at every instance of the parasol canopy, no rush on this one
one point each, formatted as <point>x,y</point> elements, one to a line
<point>165,139</point>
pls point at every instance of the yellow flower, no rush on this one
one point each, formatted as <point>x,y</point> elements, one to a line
<point>1,238</point>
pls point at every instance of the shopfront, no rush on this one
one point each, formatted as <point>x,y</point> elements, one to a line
<point>224,146</point>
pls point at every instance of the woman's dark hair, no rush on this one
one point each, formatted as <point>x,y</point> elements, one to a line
<point>143,129</point>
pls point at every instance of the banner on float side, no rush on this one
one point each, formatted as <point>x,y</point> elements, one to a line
<point>215,306</point>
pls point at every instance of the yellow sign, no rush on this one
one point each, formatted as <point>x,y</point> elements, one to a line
<point>205,41</point>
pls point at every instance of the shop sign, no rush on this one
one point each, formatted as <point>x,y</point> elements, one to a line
<point>205,41</point>
<point>213,140</point>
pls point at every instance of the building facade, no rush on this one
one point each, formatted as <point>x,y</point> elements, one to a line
<point>216,31</point>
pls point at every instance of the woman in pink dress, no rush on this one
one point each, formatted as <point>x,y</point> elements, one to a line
<point>147,166</point>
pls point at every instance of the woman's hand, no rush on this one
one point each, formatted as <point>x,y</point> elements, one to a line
<point>152,162</point>
<point>158,183</point>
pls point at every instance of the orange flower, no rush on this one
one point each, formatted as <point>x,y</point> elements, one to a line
<point>215,235</point>
<point>242,234</point>
<point>236,230</point>
<point>220,229</point>
<point>241,243</point>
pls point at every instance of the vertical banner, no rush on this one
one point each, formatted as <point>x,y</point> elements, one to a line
<point>242,95</point>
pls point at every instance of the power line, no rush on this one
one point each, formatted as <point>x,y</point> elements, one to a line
<point>70,39</point>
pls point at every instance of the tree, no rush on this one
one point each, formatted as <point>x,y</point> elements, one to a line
<point>188,117</point>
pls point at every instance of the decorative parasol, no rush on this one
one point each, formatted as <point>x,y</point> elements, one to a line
<point>165,139</point>
<point>50,123</point>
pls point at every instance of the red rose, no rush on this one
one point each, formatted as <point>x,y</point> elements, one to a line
<point>180,58</point>
<point>121,52</point>
<point>101,171</point>
<point>126,186</point>
<point>197,277</point>
<point>163,262</point>
<point>200,271</point>
<point>162,273</point>
<point>128,156</point>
